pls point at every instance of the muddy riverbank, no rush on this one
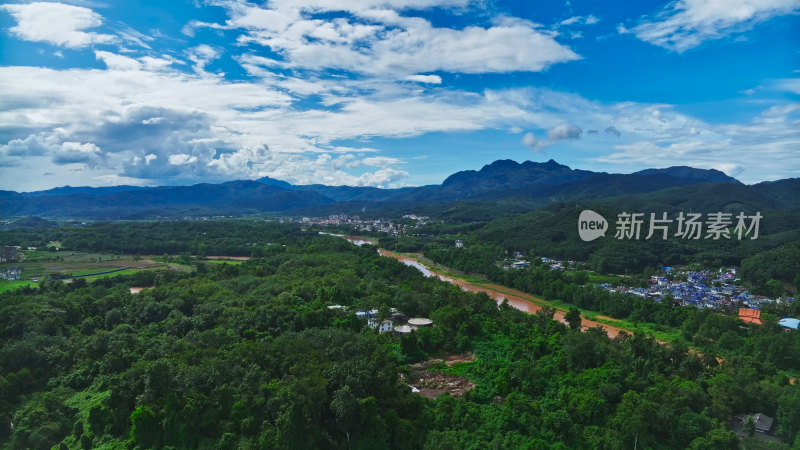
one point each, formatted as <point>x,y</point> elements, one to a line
<point>516,299</point>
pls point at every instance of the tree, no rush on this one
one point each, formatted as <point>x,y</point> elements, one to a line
<point>789,413</point>
<point>345,408</point>
<point>113,317</point>
<point>573,318</point>
<point>145,427</point>
<point>749,426</point>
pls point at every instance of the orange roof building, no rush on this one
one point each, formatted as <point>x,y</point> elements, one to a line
<point>748,315</point>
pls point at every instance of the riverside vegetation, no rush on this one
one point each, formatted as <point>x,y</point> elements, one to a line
<point>249,355</point>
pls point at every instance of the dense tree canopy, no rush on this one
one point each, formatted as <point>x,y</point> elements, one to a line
<point>250,356</point>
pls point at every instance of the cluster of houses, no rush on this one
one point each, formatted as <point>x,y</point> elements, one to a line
<point>707,289</point>
<point>703,289</point>
<point>11,273</point>
<point>359,224</point>
<point>397,321</point>
<point>519,262</point>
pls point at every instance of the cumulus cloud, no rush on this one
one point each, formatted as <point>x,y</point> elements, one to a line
<point>685,24</point>
<point>375,40</point>
<point>430,79</point>
<point>181,159</point>
<point>530,140</point>
<point>564,131</point>
<point>743,147</point>
<point>57,23</point>
<point>557,133</point>
<point>77,152</point>
<point>155,119</point>
<point>33,145</point>
<point>382,178</point>
<point>201,55</point>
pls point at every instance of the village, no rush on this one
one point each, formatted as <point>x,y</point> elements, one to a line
<point>713,289</point>
<point>380,225</point>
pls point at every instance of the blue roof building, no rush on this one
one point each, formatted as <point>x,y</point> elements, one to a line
<point>789,323</point>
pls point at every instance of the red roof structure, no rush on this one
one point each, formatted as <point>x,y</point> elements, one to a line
<point>748,315</point>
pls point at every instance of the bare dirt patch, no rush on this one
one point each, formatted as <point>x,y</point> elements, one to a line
<point>454,359</point>
<point>432,384</point>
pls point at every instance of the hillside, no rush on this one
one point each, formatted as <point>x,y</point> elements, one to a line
<point>504,186</point>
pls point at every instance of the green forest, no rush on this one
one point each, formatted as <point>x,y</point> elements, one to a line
<point>250,356</point>
<point>770,263</point>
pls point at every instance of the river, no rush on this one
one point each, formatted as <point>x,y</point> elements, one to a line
<point>516,299</point>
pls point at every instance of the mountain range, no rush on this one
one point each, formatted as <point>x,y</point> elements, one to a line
<point>519,186</point>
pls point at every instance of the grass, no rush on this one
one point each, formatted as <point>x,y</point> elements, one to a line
<point>11,285</point>
<point>41,265</point>
<point>600,279</point>
<point>233,262</point>
<point>83,401</point>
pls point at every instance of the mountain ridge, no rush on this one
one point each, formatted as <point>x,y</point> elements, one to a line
<point>530,184</point>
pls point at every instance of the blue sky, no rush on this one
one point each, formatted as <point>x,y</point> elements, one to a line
<point>392,92</point>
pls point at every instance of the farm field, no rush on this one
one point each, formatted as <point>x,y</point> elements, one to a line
<point>42,265</point>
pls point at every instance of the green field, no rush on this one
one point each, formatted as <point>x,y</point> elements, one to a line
<point>42,265</point>
<point>234,262</point>
<point>9,285</point>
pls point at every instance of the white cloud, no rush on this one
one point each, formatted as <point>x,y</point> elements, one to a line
<point>145,118</point>
<point>790,85</point>
<point>381,161</point>
<point>77,152</point>
<point>117,62</point>
<point>57,24</point>
<point>201,55</point>
<point>564,131</point>
<point>381,42</point>
<point>557,133</point>
<point>430,79</point>
<point>729,169</point>
<point>536,144</point>
<point>580,20</point>
<point>685,24</point>
<point>182,159</point>
<point>382,178</point>
<point>763,149</point>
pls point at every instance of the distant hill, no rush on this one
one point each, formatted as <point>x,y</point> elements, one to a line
<point>711,175</point>
<point>231,198</point>
<point>502,187</point>
<point>67,190</point>
<point>338,193</point>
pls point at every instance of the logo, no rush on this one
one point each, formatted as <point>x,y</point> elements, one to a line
<point>591,225</point>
